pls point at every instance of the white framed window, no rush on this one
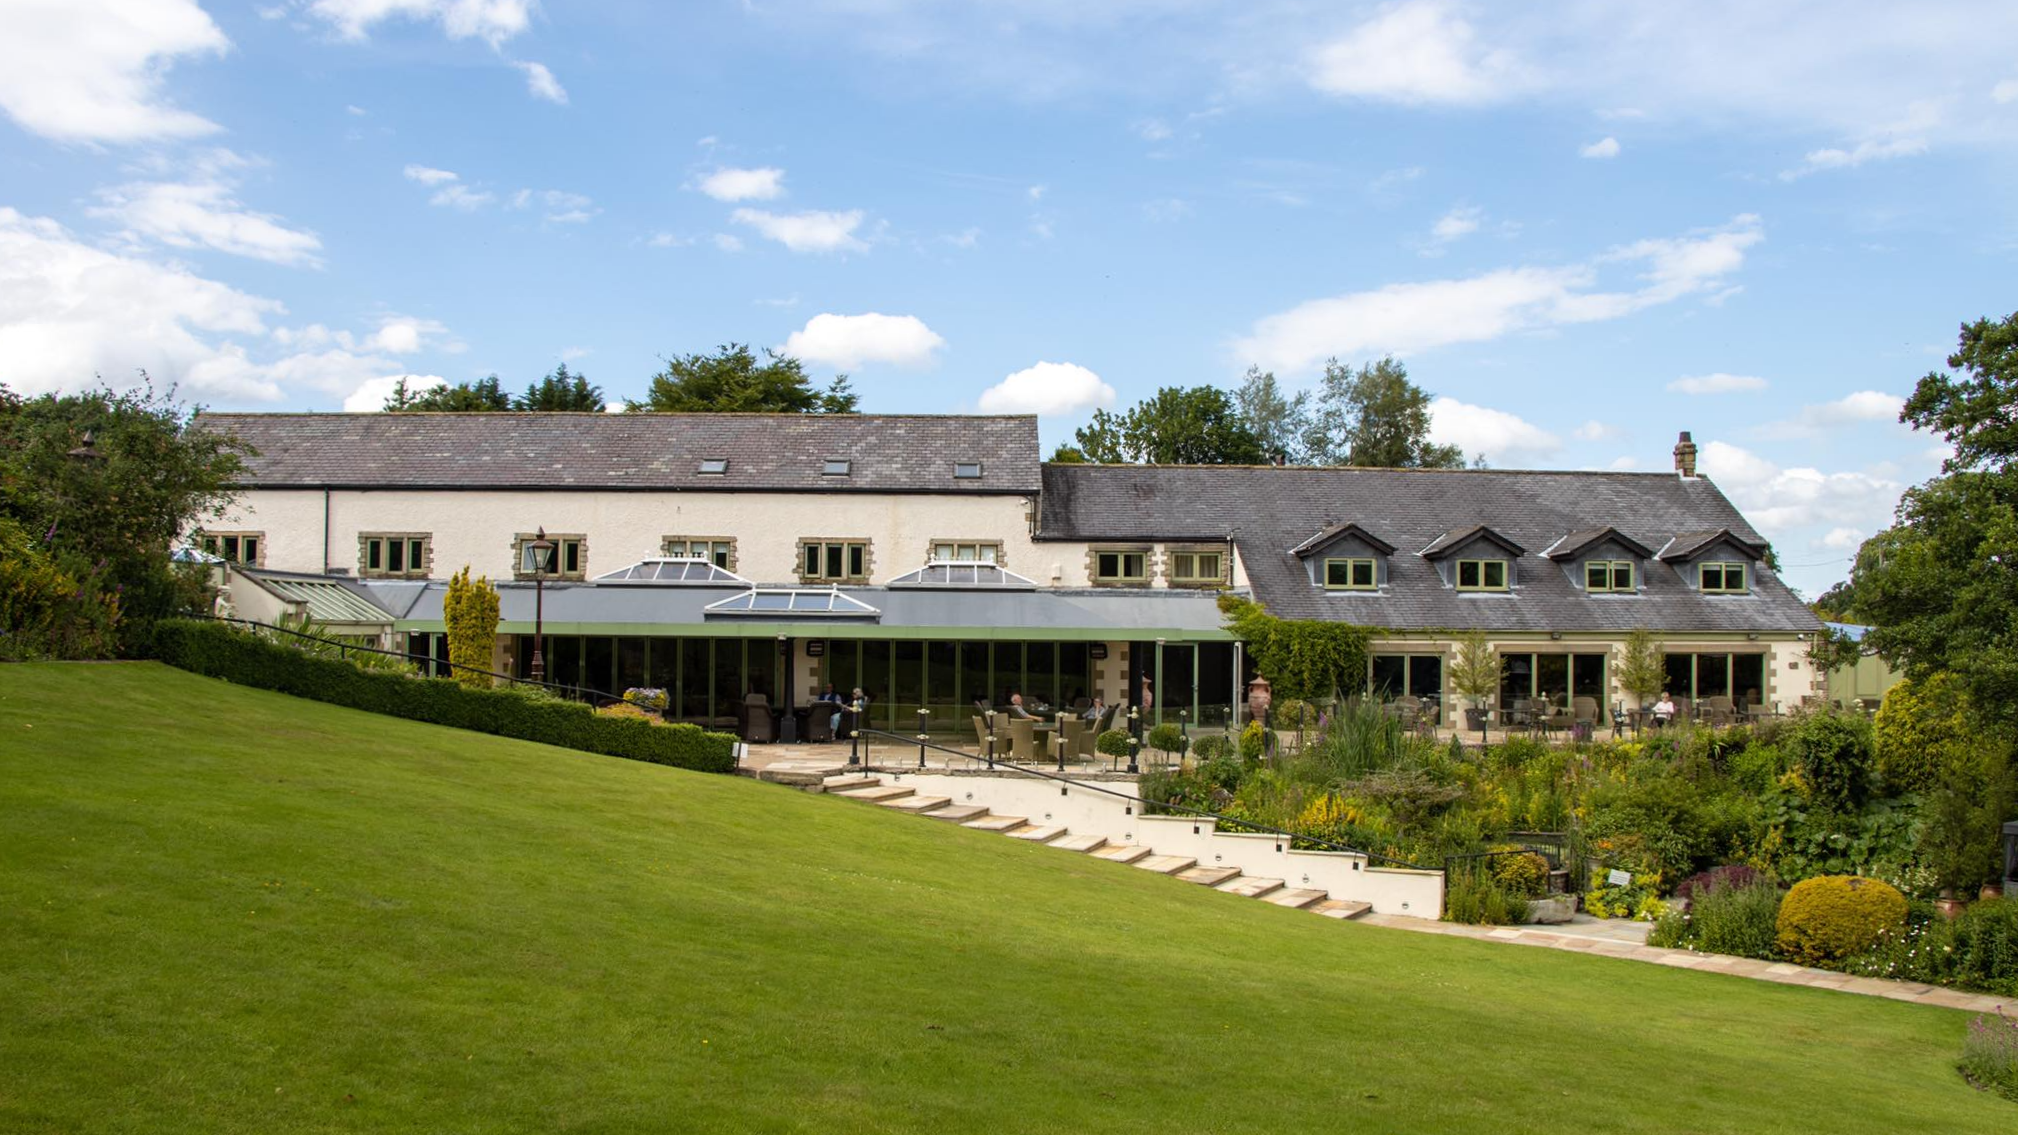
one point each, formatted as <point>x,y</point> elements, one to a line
<point>570,556</point>
<point>834,561</point>
<point>1351,574</point>
<point>394,555</point>
<point>1722,577</point>
<point>243,548</point>
<point>967,551</point>
<point>717,550</point>
<point>1481,575</point>
<point>1608,575</point>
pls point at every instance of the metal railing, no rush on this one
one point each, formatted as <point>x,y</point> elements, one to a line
<point>1066,783</point>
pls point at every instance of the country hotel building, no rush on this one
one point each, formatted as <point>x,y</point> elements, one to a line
<point>937,560</point>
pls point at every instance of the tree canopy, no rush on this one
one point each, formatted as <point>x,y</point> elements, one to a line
<point>733,380</point>
<point>1196,425</point>
<point>560,390</point>
<point>1374,416</point>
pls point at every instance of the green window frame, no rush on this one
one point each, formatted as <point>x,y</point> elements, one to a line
<point>394,554</point>
<point>1351,574</point>
<point>1197,569</point>
<point>967,551</point>
<point>717,550</point>
<point>1608,576</point>
<point>570,557</point>
<point>833,561</point>
<point>1121,565</point>
<point>1481,575</point>
<point>1722,577</point>
<point>234,547</point>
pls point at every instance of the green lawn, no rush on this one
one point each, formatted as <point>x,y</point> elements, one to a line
<point>229,910</point>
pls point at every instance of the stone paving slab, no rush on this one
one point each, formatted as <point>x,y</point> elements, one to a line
<point>1208,876</point>
<point>1166,864</point>
<point>1248,887</point>
<point>1121,852</point>
<point>996,823</point>
<point>1079,842</point>
<point>959,813</point>
<point>1037,833</point>
<point>877,794</point>
<point>1295,899</point>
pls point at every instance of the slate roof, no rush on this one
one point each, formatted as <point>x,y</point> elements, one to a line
<point>1576,543</point>
<point>1269,511</point>
<point>765,452</point>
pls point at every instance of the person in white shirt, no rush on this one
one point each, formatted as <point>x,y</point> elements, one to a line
<point>1664,710</point>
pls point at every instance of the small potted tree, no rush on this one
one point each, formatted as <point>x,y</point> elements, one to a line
<point>1643,671</point>
<point>1474,674</point>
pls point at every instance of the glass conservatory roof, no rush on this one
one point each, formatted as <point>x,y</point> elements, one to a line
<point>965,574</point>
<point>672,569</point>
<point>793,601</point>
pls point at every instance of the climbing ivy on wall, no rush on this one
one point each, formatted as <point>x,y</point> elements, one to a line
<point>1305,659</point>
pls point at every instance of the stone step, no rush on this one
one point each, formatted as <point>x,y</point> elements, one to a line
<point>848,782</point>
<point>1121,852</point>
<point>1166,864</point>
<point>878,794</point>
<point>1340,908</point>
<point>1249,887</point>
<point>1037,833</point>
<point>917,803</point>
<point>1296,898</point>
<point>995,823</point>
<point>1209,876</point>
<point>959,813</point>
<point>800,774</point>
<point>1080,842</point>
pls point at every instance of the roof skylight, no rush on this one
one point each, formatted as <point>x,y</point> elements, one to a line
<point>794,602</point>
<point>714,466</point>
<point>834,468</point>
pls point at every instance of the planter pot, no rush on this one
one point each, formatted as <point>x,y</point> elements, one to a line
<point>1474,720</point>
<point>1991,891</point>
<point>1551,911</point>
<point>1949,908</point>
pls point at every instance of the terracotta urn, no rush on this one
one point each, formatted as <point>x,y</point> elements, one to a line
<point>1259,698</point>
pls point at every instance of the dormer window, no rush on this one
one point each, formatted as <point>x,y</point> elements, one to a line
<point>834,468</point>
<point>713,466</point>
<point>1602,576</point>
<point>966,470</point>
<point>1351,574</point>
<point>1481,575</point>
<point>1721,577</point>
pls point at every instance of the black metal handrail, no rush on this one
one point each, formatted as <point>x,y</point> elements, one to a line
<point>1249,825</point>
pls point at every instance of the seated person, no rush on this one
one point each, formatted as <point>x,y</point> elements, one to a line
<point>859,700</point>
<point>1093,711</point>
<point>1016,706</point>
<point>1664,710</point>
<point>829,694</point>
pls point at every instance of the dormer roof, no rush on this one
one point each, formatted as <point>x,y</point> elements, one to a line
<point>1688,545</point>
<point>1337,532</point>
<point>1456,538</point>
<point>1575,544</point>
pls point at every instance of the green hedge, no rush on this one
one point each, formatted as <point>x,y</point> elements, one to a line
<point>220,650</point>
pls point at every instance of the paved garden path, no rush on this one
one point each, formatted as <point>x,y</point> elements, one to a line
<point>1598,938</point>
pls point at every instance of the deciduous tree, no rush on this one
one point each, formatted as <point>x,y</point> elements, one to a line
<point>732,380</point>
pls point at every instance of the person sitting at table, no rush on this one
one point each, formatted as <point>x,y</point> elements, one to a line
<point>830,694</point>
<point>1093,711</point>
<point>859,700</point>
<point>1016,709</point>
<point>1664,710</point>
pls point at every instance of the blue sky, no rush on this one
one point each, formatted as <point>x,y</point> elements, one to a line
<point>1584,227</point>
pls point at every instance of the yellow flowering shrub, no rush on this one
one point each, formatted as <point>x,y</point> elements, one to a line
<point>1830,917</point>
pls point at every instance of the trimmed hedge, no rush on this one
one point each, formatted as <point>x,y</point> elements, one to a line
<point>219,650</point>
<point>1830,917</point>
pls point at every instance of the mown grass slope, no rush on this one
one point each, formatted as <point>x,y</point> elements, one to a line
<point>229,910</point>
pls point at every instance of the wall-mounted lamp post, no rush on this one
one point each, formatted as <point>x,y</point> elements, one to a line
<point>542,550</point>
<point>924,715</point>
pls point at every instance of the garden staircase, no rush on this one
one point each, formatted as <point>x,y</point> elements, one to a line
<point>1226,880</point>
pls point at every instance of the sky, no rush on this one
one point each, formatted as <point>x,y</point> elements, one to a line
<point>1583,226</point>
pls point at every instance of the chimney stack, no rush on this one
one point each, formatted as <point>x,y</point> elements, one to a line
<point>1685,456</point>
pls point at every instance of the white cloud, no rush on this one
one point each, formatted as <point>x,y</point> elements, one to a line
<point>1784,502</point>
<point>1416,52</point>
<point>563,207</point>
<point>1165,210</point>
<point>1844,539</point>
<point>617,407</point>
<point>668,240</point>
<point>1602,148</point>
<point>1504,439</point>
<point>92,70</point>
<point>356,110</point>
<point>371,394</point>
<point>1047,388</point>
<point>1870,150</point>
<point>1594,430</point>
<point>461,197</point>
<point>810,231</point>
<point>2005,91</point>
<point>727,242</point>
<point>848,341</point>
<point>204,214</point>
<point>1624,464</point>
<point>1403,318</point>
<point>965,238</point>
<point>403,334</point>
<point>428,175</point>
<point>762,184</point>
<point>540,82</point>
<point>1152,130</point>
<point>1459,222</point>
<point>493,21</point>
<point>1718,383</point>
<point>1851,409</point>
<point>1037,192</point>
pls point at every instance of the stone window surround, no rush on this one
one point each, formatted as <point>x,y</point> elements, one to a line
<point>729,540</point>
<point>1224,553</point>
<point>868,558</point>
<point>258,558</point>
<point>1151,564</point>
<point>520,540</point>
<point>931,546</point>
<point>422,570</point>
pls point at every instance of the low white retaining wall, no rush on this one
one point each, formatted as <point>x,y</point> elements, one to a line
<point>1082,811</point>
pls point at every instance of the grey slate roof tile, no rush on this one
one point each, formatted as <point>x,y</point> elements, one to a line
<point>1268,511</point>
<point>766,452</point>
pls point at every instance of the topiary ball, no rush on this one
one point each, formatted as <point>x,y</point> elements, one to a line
<point>1830,917</point>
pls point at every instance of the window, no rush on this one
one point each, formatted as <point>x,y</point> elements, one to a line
<point>1351,574</point>
<point>833,560</point>
<point>967,470</point>
<point>717,550</point>
<point>570,557</point>
<point>1197,569</point>
<point>833,468</point>
<point>1116,565</point>
<point>394,554</point>
<point>1722,577</point>
<point>235,547</point>
<point>1481,575</point>
<point>713,466</point>
<point>1608,575</point>
<point>963,551</point>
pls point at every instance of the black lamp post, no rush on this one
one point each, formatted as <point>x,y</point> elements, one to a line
<point>543,556</point>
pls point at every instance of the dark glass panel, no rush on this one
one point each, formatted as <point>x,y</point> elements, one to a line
<point>1552,677</point>
<point>630,664</point>
<point>1681,671</point>
<point>1748,678</point>
<point>728,677</point>
<point>1517,678</point>
<point>1587,674</point>
<point>1389,676</point>
<point>665,668</point>
<point>696,668</point>
<point>600,673</point>
<point>1713,675</point>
